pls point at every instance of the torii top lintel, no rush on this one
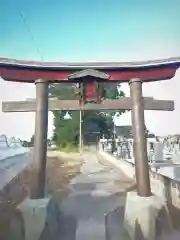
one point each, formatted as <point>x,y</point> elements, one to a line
<point>29,71</point>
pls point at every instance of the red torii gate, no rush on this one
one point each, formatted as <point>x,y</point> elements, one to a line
<point>89,75</point>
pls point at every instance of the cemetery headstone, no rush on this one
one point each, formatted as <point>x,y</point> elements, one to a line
<point>158,151</point>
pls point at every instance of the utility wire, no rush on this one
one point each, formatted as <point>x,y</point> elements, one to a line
<point>31,35</point>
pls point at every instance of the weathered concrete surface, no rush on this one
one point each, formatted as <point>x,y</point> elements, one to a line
<point>127,168</point>
<point>36,219</point>
<point>142,216</point>
<point>13,166</point>
<point>95,207</point>
<point>60,171</point>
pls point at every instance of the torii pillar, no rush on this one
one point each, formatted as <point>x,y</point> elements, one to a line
<point>140,143</point>
<point>40,139</point>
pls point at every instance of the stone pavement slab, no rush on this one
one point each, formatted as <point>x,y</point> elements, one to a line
<point>93,210</point>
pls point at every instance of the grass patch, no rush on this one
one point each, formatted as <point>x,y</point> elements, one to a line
<point>67,148</point>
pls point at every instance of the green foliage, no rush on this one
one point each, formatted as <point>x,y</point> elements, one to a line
<point>66,132</point>
<point>69,147</point>
<point>63,91</point>
<point>112,92</point>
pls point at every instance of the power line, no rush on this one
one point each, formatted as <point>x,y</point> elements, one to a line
<point>31,35</point>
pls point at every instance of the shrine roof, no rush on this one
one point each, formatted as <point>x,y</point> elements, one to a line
<point>6,62</point>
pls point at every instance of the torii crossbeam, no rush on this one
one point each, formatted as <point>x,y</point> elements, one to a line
<point>72,105</point>
<point>90,75</point>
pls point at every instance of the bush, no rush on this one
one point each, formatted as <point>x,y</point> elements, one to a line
<point>68,147</point>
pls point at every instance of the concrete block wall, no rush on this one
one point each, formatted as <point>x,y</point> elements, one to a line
<point>10,147</point>
<point>126,167</point>
<point>161,185</point>
<point>157,184</point>
<point>14,159</point>
<point>173,192</point>
<point>15,169</point>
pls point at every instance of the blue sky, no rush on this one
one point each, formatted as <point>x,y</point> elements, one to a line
<point>86,30</point>
<point>73,30</point>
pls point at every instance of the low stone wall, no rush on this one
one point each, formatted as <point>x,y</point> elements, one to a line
<point>10,148</point>
<point>162,186</point>
<point>10,196</point>
<point>126,167</point>
<point>61,168</point>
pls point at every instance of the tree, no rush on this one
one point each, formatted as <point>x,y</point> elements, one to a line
<point>148,134</point>
<point>67,131</point>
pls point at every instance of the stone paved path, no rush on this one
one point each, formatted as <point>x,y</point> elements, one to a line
<point>94,208</point>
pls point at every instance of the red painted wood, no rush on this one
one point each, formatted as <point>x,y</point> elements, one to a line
<point>89,91</point>
<point>27,75</point>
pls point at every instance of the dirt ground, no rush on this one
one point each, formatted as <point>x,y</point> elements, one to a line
<point>61,168</point>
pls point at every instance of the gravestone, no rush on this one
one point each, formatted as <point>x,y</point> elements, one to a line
<point>14,143</point>
<point>158,151</point>
<point>3,141</point>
